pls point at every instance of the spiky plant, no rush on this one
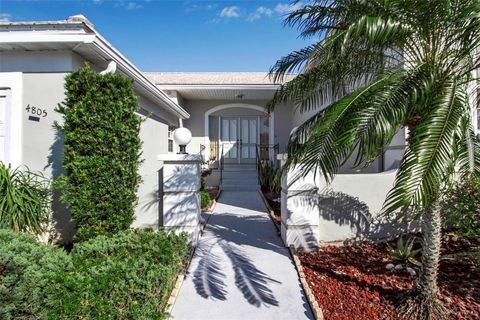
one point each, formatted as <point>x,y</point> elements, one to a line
<point>24,199</point>
<point>403,251</point>
<point>379,66</point>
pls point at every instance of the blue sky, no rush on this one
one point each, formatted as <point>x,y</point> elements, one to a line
<point>179,35</point>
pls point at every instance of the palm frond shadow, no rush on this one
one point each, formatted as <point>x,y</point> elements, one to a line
<point>252,282</point>
<point>207,277</point>
<point>209,280</point>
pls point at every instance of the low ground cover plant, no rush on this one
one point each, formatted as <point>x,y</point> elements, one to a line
<point>125,276</point>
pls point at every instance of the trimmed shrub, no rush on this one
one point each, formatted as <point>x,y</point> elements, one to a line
<point>205,199</point>
<point>102,152</point>
<point>126,276</point>
<point>24,199</point>
<point>461,208</point>
<point>26,270</point>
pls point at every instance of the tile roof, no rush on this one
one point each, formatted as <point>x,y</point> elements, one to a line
<point>212,78</point>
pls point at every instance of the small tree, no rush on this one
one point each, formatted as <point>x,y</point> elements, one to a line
<point>102,152</point>
<point>412,63</point>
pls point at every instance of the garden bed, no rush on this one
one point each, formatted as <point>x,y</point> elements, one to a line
<point>272,202</point>
<point>352,281</point>
<point>213,192</point>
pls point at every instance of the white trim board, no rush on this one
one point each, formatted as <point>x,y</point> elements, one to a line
<point>13,82</point>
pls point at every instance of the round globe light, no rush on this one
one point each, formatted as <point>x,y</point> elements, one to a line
<point>182,137</point>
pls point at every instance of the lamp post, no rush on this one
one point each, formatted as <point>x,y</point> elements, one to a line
<point>182,137</point>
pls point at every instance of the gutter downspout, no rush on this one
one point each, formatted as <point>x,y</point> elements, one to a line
<point>111,68</point>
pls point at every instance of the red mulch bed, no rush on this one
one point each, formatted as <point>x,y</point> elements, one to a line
<point>213,193</point>
<point>272,199</point>
<point>351,282</point>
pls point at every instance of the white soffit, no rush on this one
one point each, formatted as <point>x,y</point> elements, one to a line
<point>218,85</point>
<point>238,93</point>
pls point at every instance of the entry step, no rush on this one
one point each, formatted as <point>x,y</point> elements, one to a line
<point>239,167</point>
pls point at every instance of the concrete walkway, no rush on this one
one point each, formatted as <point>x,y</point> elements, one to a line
<point>241,270</point>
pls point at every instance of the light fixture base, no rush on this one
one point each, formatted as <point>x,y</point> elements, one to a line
<point>183,149</point>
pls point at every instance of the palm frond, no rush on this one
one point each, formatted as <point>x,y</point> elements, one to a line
<point>430,152</point>
<point>377,32</point>
<point>327,140</point>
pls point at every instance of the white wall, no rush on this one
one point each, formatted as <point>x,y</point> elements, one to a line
<point>349,208</point>
<point>40,61</point>
<point>154,136</point>
<point>42,146</point>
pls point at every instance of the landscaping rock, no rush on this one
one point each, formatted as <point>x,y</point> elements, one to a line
<point>411,272</point>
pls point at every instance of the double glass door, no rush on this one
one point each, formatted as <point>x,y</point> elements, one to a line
<point>239,136</point>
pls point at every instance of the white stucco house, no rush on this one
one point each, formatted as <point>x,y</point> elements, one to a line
<point>224,112</point>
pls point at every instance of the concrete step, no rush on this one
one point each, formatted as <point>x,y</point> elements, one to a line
<point>239,167</point>
<point>239,175</point>
<point>239,183</point>
<point>240,180</point>
<point>241,188</point>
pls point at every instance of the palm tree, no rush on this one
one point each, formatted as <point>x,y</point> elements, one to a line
<point>379,66</point>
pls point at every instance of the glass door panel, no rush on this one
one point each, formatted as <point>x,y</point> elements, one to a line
<point>230,139</point>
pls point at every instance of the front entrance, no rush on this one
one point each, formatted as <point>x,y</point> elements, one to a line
<point>239,136</point>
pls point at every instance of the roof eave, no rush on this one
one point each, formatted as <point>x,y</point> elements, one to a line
<point>130,70</point>
<point>100,46</point>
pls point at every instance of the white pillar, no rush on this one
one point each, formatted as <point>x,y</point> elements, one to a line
<point>179,199</point>
<point>299,209</point>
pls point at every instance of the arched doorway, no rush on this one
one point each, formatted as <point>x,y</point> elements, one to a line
<point>238,132</point>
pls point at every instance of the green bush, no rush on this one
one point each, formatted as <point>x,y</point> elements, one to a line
<point>461,208</point>
<point>24,199</point>
<point>26,271</point>
<point>102,152</point>
<point>205,199</point>
<point>126,276</point>
<point>267,175</point>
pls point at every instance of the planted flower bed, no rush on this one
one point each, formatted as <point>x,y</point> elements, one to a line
<point>352,282</point>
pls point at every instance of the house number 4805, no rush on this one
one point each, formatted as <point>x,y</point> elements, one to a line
<point>36,111</point>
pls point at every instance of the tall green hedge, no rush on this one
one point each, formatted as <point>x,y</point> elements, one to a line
<point>102,151</point>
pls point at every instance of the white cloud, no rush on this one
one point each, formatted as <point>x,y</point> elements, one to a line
<point>97,1</point>
<point>230,12</point>
<point>285,8</point>
<point>5,17</point>
<point>133,5</point>
<point>261,11</point>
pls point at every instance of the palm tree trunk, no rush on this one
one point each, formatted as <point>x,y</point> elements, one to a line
<point>432,225</point>
<point>424,302</point>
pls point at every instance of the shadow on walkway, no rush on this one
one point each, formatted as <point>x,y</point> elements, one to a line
<point>240,248</point>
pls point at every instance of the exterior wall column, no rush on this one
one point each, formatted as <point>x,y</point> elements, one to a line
<point>299,209</point>
<point>179,186</point>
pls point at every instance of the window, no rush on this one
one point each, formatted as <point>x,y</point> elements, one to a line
<point>170,138</point>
